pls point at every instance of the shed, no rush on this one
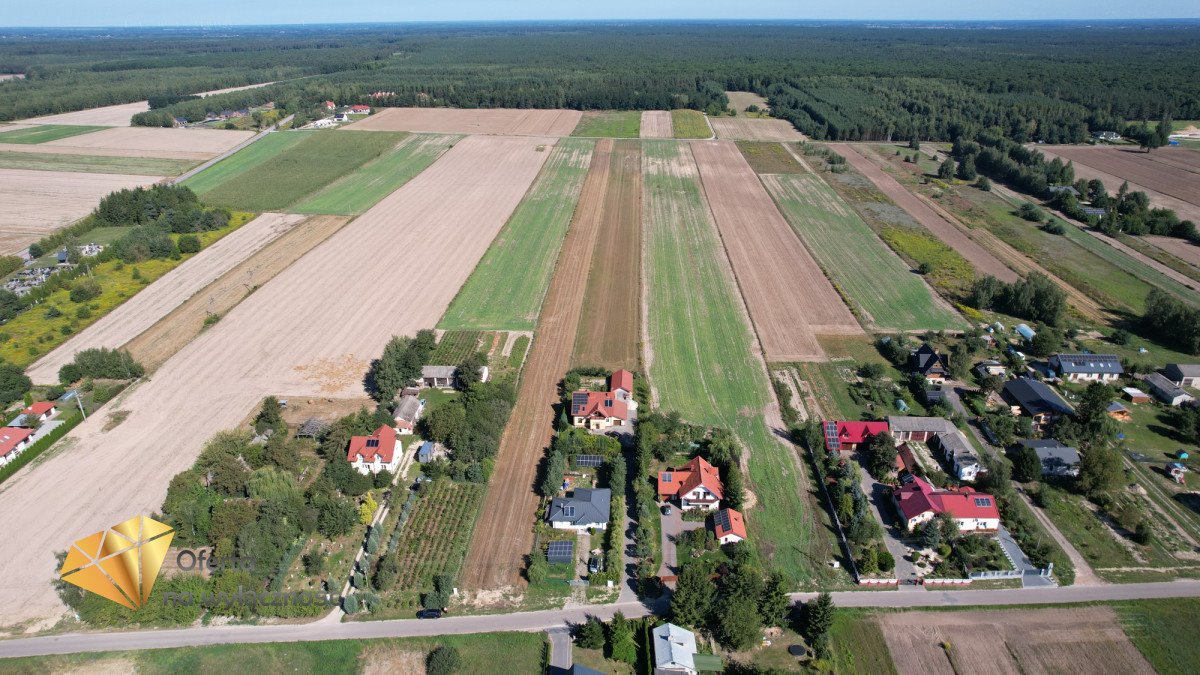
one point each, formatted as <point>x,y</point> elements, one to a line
<point>562,551</point>
<point>1135,395</point>
<point>1025,331</point>
<point>425,452</point>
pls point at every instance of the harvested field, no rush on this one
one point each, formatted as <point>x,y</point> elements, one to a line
<point>87,164</point>
<point>1169,177</point>
<point>754,129</point>
<point>655,124</point>
<point>608,330</point>
<point>498,549</point>
<point>789,298</point>
<point>502,121</point>
<point>230,90</point>
<point>690,124</point>
<point>148,141</point>
<point>40,133</point>
<point>506,290</point>
<point>297,336</point>
<point>108,116</point>
<point>48,149</point>
<point>1180,248</point>
<point>244,161</point>
<point>609,124</point>
<point>740,100</point>
<point>159,299</point>
<point>39,202</point>
<point>766,157</point>
<point>1077,640</point>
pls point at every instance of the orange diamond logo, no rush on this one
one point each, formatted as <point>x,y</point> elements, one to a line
<point>120,563</point>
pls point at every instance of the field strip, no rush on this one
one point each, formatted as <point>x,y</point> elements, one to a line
<point>507,288</point>
<point>158,299</point>
<point>656,124</point>
<point>87,164</point>
<point>503,121</point>
<point>148,140</point>
<point>43,149</point>
<point>502,537</point>
<point>245,161</point>
<point>118,115</point>
<point>308,332</point>
<point>1185,204</point>
<point>891,295</point>
<point>1178,180</point>
<point>754,129</point>
<point>789,298</point>
<point>36,134</point>
<point>1180,248</point>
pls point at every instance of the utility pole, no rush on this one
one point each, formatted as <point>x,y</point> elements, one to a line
<point>79,401</point>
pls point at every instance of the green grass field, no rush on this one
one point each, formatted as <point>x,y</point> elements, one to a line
<point>689,124</point>
<point>147,166</point>
<point>609,124</point>
<point>362,189</point>
<point>506,289</point>
<point>308,166</point>
<point>1162,632</point>
<point>245,160</point>
<point>702,364</point>
<point>44,132</point>
<point>769,157</point>
<point>882,286</point>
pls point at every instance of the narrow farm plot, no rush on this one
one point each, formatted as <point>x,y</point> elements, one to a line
<point>108,116</point>
<point>54,149</point>
<point>770,157</point>
<point>434,539</point>
<point>789,298</point>
<point>362,189</point>
<point>655,124</point>
<point>754,129</point>
<point>42,133</point>
<point>890,294</point>
<point>308,332</point>
<point>1180,248</point>
<point>701,350</point>
<point>506,290</point>
<point>244,161</point>
<point>609,124</point>
<point>149,141</point>
<point>502,121</point>
<point>37,161</point>
<point>690,124</point>
<point>740,100</point>
<point>608,329</point>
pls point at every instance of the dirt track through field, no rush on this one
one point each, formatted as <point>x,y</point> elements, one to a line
<point>608,330</point>
<point>502,536</point>
<point>1167,185</point>
<point>502,121</point>
<point>108,116</point>
<point>790,299</point>
<point>754,129</point>
<point>309,332</point>
<point>150,141</point>
<point>656,124</point>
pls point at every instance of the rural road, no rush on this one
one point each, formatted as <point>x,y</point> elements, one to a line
<point>557,618</point>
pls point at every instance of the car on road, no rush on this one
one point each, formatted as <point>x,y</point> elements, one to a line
<point>666,509</point>
<point>429,614</point>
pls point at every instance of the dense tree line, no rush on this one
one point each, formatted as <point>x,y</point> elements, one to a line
<point>1036,298</point>
<point>101,362</point>
<point>1172,321</point>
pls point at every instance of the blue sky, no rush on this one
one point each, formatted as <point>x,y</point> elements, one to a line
<point>168,12</point>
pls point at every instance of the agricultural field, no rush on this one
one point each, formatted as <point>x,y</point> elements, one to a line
<point>454,346</point>
<point>1169,176</point>
<point>754,129</point>
<point>364,187</point>
<point>246,161</point>
<point>690,124</point>
<point>145,166</point>
<point>740,100</point>
<point>609,124</point>
<point>1156,630</point>
<point>108,116</point>
<point>149,142</point>
<point>655,124</point>
<point>44,132</point>
<point>1180,248</point>
<point>506,290</point>
<point>434,538</point>
<point>891,295</point>
<point>298,171</point>
<point>502,121</point>
<point>769,157</point>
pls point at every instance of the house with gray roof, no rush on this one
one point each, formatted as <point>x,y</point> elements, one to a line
<point>921,429</point>
<point>1183,374</point>
<point>586,508</point>
<point>1036,399</point>
<point>1057,459</point>
<point>958,453</point>
<point>1167,391</point>
<point>674,650</point>
<point>1087,367</point>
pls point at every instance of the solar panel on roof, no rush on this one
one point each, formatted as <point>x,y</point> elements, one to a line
<point>666,477</point>
<point>722,519</point>
<point>983,501</point>
<point>588,460</point>
<point>372,442</point>
<point>569,511</point>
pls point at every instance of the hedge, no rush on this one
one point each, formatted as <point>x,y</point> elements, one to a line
<point>40,446</point>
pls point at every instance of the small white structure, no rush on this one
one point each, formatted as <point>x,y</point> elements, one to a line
<point>674,650</point>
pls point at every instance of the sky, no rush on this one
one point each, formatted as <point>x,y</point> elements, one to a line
<point>47,13</point>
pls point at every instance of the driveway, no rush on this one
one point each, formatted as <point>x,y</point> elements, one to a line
<point>673,526</point>
<point>1030,574</point>
<point>561,658</point>
<point>882,509</point>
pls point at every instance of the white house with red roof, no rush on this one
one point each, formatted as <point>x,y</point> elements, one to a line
<point>919,502</point>
<point>729,526</point>
<point>330,105</point>
<point>697,485</point>
<point>844,435</point>
<point>604,409</point>
<point>13,442</point>
<point>374,453</point>
<point>358,108</point>
<point>40,411</point>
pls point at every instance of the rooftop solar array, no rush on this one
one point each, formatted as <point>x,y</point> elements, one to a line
<point>372,442</point>
<point>983,501</point>
<point>721,520</point>
<point>832,442</point>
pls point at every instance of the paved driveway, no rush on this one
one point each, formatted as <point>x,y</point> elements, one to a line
<point>561,657</point>
<point>1030,577</point>
<point>673,526</point>
<point>892,534</point>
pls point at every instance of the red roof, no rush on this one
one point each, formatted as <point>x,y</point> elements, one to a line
<point>330,104</point>
<point>10,437</point>
<point>736,524</point>
<point>39,408</point>
<point>919,497</point>
<point>599,404</point>
<point>853,432</point>
<point>621,379</point>
<point>381,444</point>
<point>695,473</point>
<point>360,107</point>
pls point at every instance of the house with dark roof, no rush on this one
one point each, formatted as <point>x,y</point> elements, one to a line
<point>928,363</point>
<point>919,502</point>
<point>1167,391</point>
<point>1035,399</point>
<point>911,428</point>
<point>846,435</point>
<point>408,411</point>
<point>1057,459</point>
<point>696,485</point>
<point>584,509</point>
<point>729,526</point>
<point>1183,374</point>
<point>1087,367</point>
<point>374,453</point>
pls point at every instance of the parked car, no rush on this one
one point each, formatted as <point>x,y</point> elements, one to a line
<point>666,509</point>
<point>429,614</point>
<point>594,565</point>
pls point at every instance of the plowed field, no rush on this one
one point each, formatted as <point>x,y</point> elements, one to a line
<point>149,141</point>
<point>108,116</point>
<point>502,121</point>
<point>656,124</point>
<point>754,129</point>
<point>1170,177</point>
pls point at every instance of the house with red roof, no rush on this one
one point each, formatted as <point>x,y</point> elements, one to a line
<point>13,442</point>
<point>329,105</point>
<point>840,435</point>
<point>360,109</point>
<point>919,502</point>
<point>596,410</point>
<point>729,526</point>
<point>696,485</point>
<point>36,414</point>
<point>374,453</point>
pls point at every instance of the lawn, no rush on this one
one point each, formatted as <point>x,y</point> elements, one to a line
<point>145,166</point>
<point>354,193</point>
<point>1162,630</point>
<point>506,289</point>
<point>890,294</point>
<point>300,170</point>
<point>245,160</point>
<point>858,645</point>
<point>609,124</point>
<point>689,124</point>
<point>769,157</point>
<point>42,133</point>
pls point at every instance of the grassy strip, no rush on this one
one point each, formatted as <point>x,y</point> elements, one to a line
<point>951,272</point>
<point>506,289</point>
<point>245,160</point>
<point>43,133</point>
<point>689,124</point>
<point>152,166</point>
<point>362,189</point>
<point>769,157</point>
<point>609,124</point>
<point>1161,255</point>
<point>1124,261</point>
<point>1164,632</point>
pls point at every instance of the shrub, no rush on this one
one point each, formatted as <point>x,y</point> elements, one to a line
<point>113,364</point>
<point>443,661</point>
<point>189,243</point>
<point>84,290</point>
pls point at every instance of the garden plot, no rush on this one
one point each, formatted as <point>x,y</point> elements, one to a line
<point>502,121</point>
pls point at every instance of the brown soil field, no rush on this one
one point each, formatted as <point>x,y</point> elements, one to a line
<point>789,298</point>
<point>740,100</point>
<point>309,332</point>
<point>754,129</point>
<point>608,333</point>
<point>1180,248</point>
<point>159,299</point>
<point>502,121</point>
<point>47,149</point>
<point>1026,641</point>
<point>149,141</point>
<point>229,90</point>
<point>108,116</point>
<point>983,261</point>
<point>39,202</point>
<point>656,124</point>
<point>502,536</point>
<point>1167,185</point>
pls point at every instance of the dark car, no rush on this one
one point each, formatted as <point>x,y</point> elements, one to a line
<point>429,614</point>
<point>666,509</point>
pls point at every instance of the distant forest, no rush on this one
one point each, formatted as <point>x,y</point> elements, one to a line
<point>1051,82</point>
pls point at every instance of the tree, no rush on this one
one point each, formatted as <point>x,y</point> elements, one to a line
<point>693,597</point>
<point>738,625</point>
<point>1027,467</point>
<point>1046,342</point>
<point>314,563</point>
<point>774,603</point>
<point>946,169</point>
<point>10,304</point>
<point>1031,212</point>
<point>591,634</point>
<point>984,184</point>
<point>350,604</point>
<point>1100,472</point>
<point>881,455</point>
<point>443,661</point>
<point>931,535</point>
<point>366,510</point>
<point>270,416</point>
<point>469,371</point>
<point>966,169</point>
<point>621,643</point>
<point>818,619</point>
<point>387,572</point>
<point>13,384</point>
<point>556,468</point>
<point>735,491</point>
<point>387,373</point>
<point>189,243</point>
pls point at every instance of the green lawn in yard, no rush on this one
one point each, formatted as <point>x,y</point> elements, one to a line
<point>609,124</point>
<point>1164,632</point>
<point>858,645</point>
<point>246,160</point>
<point>354,193</point>
<point>147,166</point>
<point>885,289</point>
<point>506,289</point>
<point>42,133</point>
<point>689,124</point>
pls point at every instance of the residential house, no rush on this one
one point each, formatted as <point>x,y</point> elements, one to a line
<point>919,502</point>
<point>697,485</point>
<point>604,409</point>
<point>1118,412</point>
<point>39,412</point>
<point>729,526</point>
<point>359,109</point>
<point>1183,374</point>
<point>374,453</point>
<point>341,117</point>
<point>928,363</point>
<point>621,385</point>
<point>408,411</point>
<point>674,650</point>
<point>1060,189</point>
<point>958,453</point>
<point>1087,367</point>
<point>1057,459</point>
<point>1135,395</point>
<point>330,105</point>
<point>1109,136</point>
<point>1035,399</point>
<point>990,367</point>
<point>1167,391</point>
<point>13,442</point>
<point>445,377</point>
<point>842,435</point>
<point>917,428</point>
<point>585,509</point>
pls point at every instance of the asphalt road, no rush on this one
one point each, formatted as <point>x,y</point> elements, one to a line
<point>557,618</point>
